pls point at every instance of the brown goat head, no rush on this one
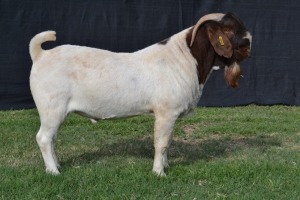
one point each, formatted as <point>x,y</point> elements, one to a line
<point>219,40</point>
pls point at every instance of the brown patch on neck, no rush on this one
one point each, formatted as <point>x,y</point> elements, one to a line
<point>203,52</point>
<point>164,42</point>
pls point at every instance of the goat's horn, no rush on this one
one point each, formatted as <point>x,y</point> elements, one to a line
<point>213,16</point>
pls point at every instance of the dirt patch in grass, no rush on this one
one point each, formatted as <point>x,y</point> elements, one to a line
<point>190,129</point>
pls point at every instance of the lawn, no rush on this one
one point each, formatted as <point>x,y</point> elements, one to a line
<point>250,152</point>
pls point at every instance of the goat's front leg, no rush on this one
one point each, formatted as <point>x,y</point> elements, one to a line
<point>162,138</point>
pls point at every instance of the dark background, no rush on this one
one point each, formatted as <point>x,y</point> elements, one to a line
<point>271,75</point>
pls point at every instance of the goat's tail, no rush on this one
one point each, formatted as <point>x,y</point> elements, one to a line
<point>35,48</point>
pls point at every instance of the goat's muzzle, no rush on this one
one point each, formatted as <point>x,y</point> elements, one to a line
<point>232,74</point>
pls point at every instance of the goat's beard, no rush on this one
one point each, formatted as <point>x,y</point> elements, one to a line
<point>232,74</point>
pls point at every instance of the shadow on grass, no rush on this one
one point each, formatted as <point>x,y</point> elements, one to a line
<point>181,151</point>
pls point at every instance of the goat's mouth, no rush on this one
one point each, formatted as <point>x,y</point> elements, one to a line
<point>232,74</point>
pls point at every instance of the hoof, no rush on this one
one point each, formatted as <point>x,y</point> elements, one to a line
<point>52,172</point>
<point>159,173</point>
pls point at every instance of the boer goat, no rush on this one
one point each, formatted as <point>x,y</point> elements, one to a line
<point>165,79</point>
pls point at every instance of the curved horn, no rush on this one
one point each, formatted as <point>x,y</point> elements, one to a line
<point>212,16</point>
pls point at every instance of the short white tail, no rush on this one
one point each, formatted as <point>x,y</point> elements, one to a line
<point>35,47</point>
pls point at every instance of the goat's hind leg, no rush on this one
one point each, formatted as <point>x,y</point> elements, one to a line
<point>44,138</point>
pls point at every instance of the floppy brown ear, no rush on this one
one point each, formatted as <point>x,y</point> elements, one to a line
<point>220,41</point>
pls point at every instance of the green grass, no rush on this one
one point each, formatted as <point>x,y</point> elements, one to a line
<point>250,152</point>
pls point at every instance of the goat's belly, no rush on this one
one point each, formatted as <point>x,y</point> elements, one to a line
<point>96,115</point>
<point>111,106</point>
<point>110,113</point>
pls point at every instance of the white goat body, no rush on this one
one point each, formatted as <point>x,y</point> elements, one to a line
<point>103,84</point>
